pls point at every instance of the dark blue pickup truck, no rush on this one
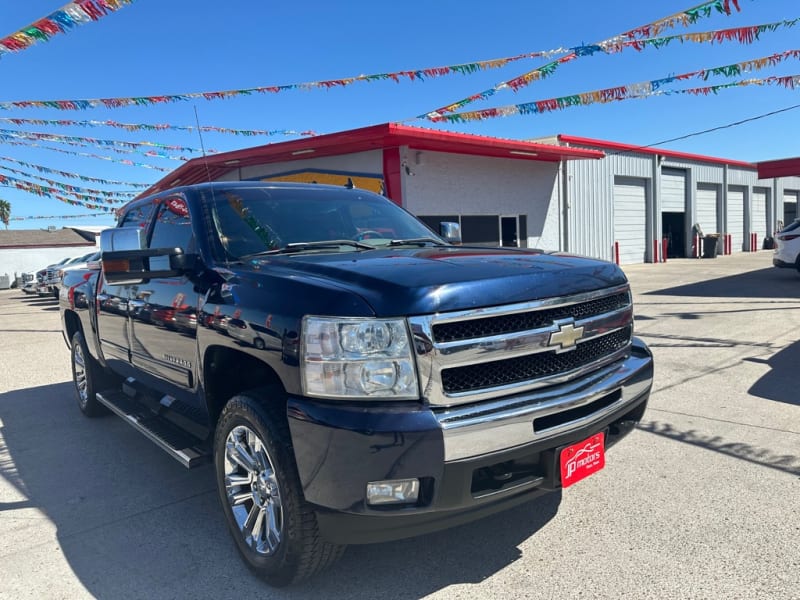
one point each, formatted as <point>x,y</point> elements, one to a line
<point>353,376</point>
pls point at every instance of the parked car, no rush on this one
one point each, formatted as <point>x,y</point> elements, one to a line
<point>787,246</point>
<point>80,262</point>
<point>43,277</point>
<point>31,286</point>
<point>54,274</point>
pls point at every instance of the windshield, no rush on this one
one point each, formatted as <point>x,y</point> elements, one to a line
<point>266,219</point>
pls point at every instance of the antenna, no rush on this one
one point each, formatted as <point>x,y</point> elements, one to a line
<point>202,146</point>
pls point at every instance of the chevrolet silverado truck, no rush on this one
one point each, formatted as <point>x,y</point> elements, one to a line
<point>353,376</point>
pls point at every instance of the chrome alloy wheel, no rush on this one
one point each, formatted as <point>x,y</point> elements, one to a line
<point>252,489</point>
<point>79,369</point>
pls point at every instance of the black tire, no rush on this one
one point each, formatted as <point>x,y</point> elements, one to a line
<point>88,377</point>
<point>267,494</point>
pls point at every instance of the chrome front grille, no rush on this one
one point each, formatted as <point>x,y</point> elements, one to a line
<point>482,354</point>
<point>531,367</point>
<point>489,326</point>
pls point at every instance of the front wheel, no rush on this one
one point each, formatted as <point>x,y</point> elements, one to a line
<point>274,528</point>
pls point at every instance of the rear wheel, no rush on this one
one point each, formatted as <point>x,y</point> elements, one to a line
<point>274,528</point>
<point>88,377</point>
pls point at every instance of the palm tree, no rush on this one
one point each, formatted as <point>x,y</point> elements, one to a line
<point>5,212</point>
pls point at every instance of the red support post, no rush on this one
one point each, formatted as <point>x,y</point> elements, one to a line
<point>655,251</point>
<point>664,250</point>
<point>616,253</point>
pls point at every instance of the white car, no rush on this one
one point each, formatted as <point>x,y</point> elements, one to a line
<point>31,286</point>
<point>787,246</point>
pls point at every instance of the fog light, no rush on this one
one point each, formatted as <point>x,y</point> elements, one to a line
<point>393,491</point>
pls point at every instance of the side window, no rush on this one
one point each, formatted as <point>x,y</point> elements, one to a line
<point>138,216</point>
<point>172,229</point>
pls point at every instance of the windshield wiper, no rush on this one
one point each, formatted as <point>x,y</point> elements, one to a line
<point>301,246</point>
<point>423,241</point>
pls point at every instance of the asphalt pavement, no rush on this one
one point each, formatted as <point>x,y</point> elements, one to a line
<point>701,501</point>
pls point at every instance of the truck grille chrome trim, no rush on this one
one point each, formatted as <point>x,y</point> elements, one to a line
<point>486,427</point>
<point>521,347</point>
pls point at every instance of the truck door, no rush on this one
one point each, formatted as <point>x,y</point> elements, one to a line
<point>164,311</point>
<point>112,304</point>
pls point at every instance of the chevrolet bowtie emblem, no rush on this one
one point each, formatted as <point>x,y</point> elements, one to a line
<point>566,337</point>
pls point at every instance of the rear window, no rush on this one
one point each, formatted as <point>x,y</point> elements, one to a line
<point>792,226</point>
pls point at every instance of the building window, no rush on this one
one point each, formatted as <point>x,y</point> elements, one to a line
<point>486,230</point>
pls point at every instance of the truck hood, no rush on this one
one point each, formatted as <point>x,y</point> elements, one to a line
<point>428,280</point>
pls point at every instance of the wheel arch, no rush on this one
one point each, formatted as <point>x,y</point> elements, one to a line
<point>72,324</point>
<point>219,364</point>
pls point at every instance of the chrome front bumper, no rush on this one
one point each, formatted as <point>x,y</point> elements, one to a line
<point>486,427</point>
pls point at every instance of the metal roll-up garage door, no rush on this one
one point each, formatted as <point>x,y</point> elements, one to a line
<point>673,190</point>
<point>758,216</point>
<point>736,217</point>
<point>707,207</point>
<point>790,198</point>
<point>630,219</point>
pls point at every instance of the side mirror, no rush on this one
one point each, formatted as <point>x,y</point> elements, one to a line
<point>125,260</point>
<point>133,266</point>
<point>122,238</point>
<point>451,232</point>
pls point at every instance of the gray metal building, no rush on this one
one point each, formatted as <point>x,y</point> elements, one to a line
<point>635,198</point>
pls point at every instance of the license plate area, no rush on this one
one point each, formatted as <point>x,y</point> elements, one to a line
<point>581,459</point>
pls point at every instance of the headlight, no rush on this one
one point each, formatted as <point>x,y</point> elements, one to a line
<point>357,358</point>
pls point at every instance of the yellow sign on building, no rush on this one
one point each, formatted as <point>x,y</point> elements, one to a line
<point>373,183</point>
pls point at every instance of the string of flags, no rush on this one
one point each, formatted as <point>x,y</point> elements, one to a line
<point>683,18</point>
<point>743,35</point>
<point>69,175</point>
<point>643,90</point>
<point>53,137</point>
<point>64,19</point>
<point>158,127</point>
<point>397,76</point>
<point>38,189</point>
<point>9,136</point>
<point>70,188</point>
<point>54,217</point>
<point>129,163</point>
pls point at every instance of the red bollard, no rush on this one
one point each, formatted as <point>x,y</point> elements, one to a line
<point>664,250</point>
<point>616,252</point>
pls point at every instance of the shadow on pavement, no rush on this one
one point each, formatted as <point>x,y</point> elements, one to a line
<point>770,282</point>
<point>779,383</point>
<point>787,463</point>
<point>131,522</point>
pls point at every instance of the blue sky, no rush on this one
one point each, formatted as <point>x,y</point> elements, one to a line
<point>155,47</point>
